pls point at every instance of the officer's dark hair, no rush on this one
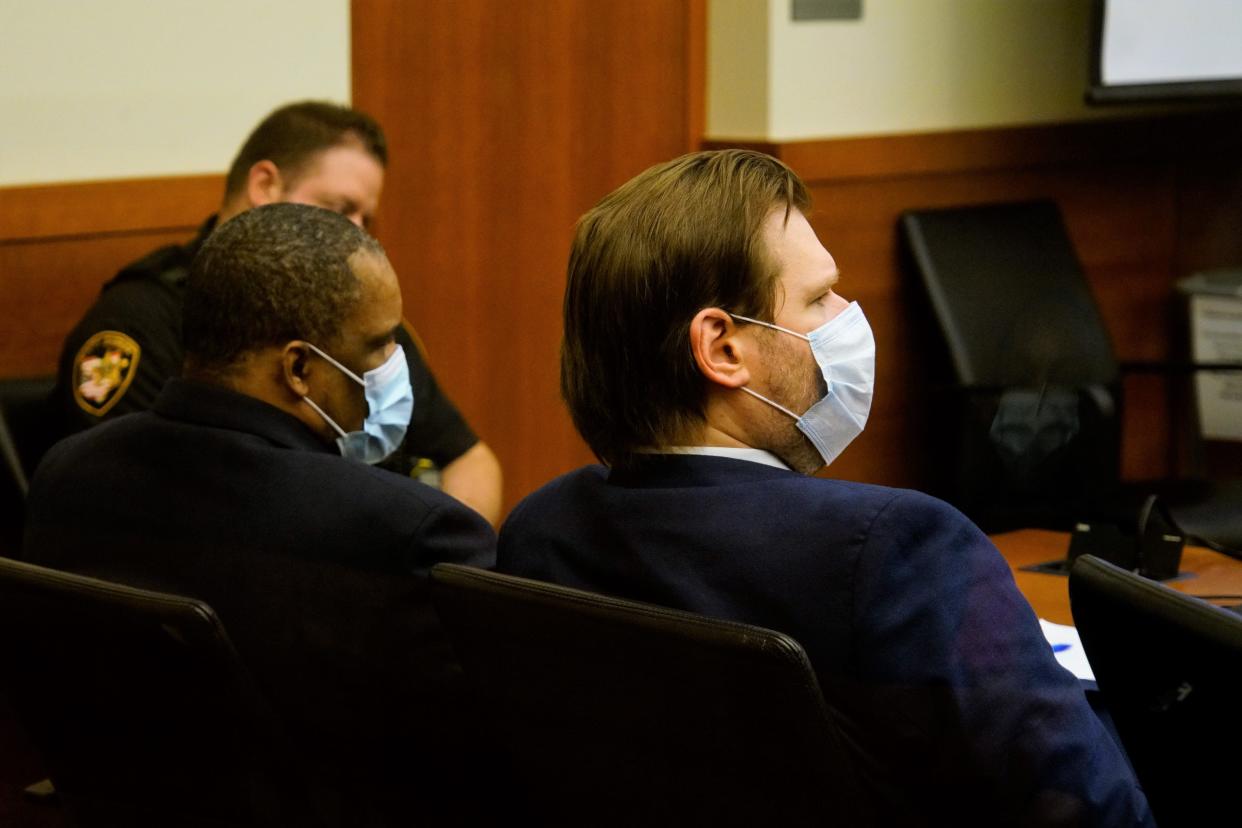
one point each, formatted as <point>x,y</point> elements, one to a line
<point>268,276</point>
<point>291,136</point>
<point>681,236</point>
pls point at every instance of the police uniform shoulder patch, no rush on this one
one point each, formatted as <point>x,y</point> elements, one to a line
<point>103,370</point>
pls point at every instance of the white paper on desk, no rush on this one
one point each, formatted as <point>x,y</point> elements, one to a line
<point>1067,647</point>
<point>1216,336</point>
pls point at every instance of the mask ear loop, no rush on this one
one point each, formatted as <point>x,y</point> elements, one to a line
<point>756,394</point>
<point>342,368</point>
<point>775,405</point>
<point>764,324</point>
<point>326,418</point>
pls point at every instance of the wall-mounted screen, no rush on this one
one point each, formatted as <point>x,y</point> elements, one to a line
<point>1146,50</point>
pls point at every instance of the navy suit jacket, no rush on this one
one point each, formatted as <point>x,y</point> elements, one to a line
<point>921,641</point>
<point>315,564</point>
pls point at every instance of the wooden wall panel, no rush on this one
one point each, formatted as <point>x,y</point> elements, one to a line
<point>48,285</point>
<point>60,243</point>
<point>1145,202</point>
<point>95,208</point>
<point>506,122</point>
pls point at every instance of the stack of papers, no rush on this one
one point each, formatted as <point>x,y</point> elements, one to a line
<point>1067,647</point>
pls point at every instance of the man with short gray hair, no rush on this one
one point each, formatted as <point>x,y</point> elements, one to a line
<point>249,485</point>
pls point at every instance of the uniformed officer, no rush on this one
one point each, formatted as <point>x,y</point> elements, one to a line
<point>120,354</point>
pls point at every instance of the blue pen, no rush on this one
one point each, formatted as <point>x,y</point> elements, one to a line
<point>1060,648</point>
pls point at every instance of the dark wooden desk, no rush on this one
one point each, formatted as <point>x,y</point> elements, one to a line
<point>1211,572</point>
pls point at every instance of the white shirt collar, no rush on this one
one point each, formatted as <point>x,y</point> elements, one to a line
<point>752,455</point>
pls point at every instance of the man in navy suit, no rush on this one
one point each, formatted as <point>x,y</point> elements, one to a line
<point>712,366</point>
<point>249,484</point>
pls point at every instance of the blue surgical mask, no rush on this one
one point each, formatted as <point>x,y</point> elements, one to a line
<point>390,402</point>
<point>844,349</point>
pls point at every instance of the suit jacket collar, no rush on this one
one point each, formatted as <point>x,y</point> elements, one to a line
<point>211,405</point>
<point>690,470</point>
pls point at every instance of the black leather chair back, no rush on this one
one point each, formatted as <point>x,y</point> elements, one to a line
<point>25,434</point>
<point>1033,424</point>
<point>1169,667</point>
<point>621,713</point>
<point>138,702</point>
<point>1008,292</point>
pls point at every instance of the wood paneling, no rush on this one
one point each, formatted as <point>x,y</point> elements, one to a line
<point>506,122</point>
<point>1145,201</point>
<point>48,285</point>
<point>96,208</point>
<point>696,73</point>
<point>60,243</point>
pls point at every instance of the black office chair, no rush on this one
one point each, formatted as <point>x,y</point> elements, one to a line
<point>1169,667</point>
<point>1033,428</point>
<point>26,432</point>
<point>621,713</point>
<point>139,704</point>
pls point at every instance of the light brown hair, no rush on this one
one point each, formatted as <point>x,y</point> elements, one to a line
<point>681,236</point>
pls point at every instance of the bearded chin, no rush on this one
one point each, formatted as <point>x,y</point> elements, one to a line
<point>797,388</point>
<point>799,454</point>
<point>794,447</point>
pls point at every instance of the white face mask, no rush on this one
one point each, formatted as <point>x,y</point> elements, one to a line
<point>390,402</point>
<point>844,349</point>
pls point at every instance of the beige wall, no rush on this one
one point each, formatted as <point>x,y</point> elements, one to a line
<point>127,88</point>
<point>737,54</point>
<point>906,66</point>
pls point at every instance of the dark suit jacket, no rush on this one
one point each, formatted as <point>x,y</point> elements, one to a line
<point>959,711</point>
<point>315,564</point>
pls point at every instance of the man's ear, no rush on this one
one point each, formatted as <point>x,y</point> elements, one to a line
<point>264,184</point>
<point>718,351</point>
<point>295,367</point>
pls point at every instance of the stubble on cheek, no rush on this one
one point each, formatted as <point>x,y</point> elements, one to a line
<point>793,380</point>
